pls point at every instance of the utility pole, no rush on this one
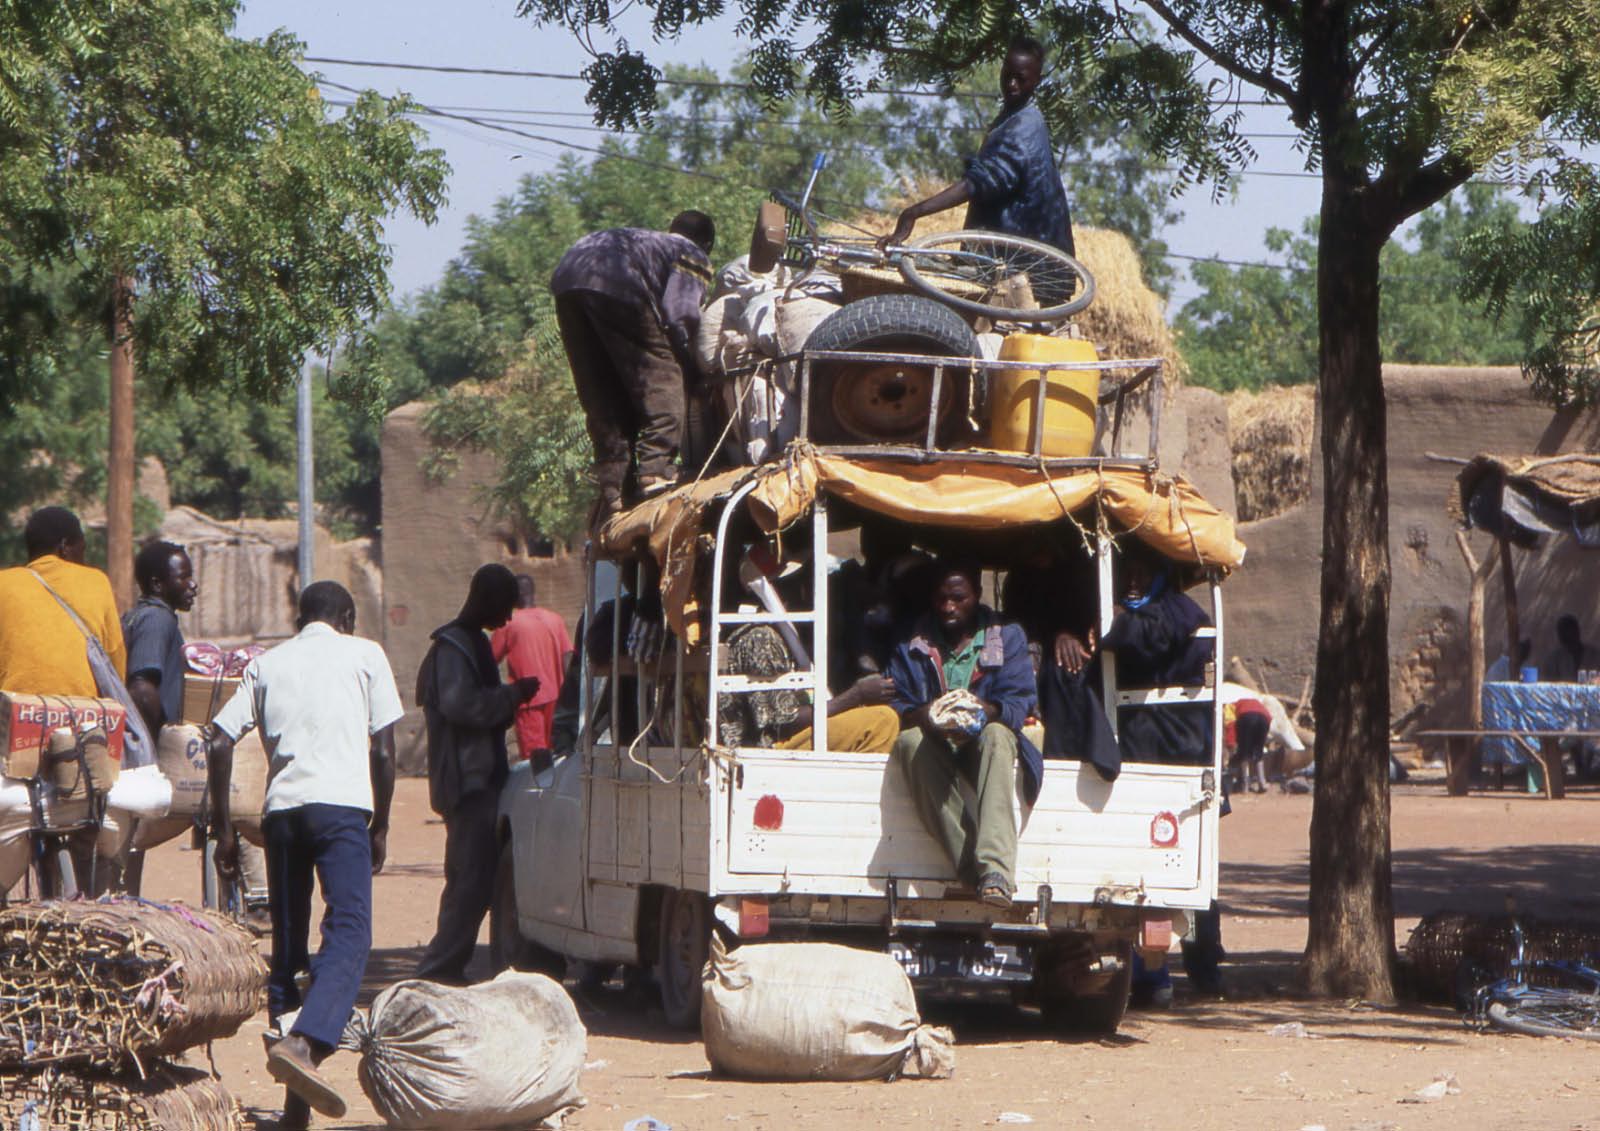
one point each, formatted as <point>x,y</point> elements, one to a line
<point>120,455</point>
<point>306,477</point>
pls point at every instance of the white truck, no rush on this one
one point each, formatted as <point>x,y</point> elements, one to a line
<point>633,852</point>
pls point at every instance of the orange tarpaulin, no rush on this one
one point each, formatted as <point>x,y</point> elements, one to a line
<point>1163,511</point>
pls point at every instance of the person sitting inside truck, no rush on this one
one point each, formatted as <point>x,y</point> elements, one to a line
<point>1053,597</point>
<point>964,686</point>
<point>860,719</point>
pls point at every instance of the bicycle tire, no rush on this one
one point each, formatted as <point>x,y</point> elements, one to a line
<point>1550,1014</point>
<point>1048,268</point>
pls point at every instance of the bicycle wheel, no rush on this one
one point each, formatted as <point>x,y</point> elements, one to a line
<point>1552,1013</point>
<point>992,275</point>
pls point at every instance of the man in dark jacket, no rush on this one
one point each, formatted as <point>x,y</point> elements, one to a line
<point>467,710</point>
<point>628,304</point>
<point>961,646</point>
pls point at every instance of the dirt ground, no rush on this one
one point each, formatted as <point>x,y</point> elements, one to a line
<point>1200,1065</point>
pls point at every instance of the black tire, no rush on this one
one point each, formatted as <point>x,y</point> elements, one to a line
<point>685,944</point>
<point>1092,1006</point>
<point>870,402</point>
<point>508,949</point>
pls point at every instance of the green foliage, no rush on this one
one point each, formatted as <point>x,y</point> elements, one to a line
<point>207,169</point>
<point>1256,326</point>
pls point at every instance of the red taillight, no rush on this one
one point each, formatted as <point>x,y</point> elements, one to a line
<point>1164,830</point>
<point>753,920</point>
<point>1155,934</point>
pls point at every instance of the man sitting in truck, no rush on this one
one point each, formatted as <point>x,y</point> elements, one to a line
<point>964,685</point>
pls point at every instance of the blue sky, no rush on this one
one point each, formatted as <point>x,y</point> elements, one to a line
<point>487,165</point>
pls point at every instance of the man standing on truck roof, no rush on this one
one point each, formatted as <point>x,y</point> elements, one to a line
<point>1012,185</point>
<point>964,685</point>
<point>628,304</point>
<point>467,710</point>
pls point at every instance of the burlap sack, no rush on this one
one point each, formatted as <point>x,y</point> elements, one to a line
<point>505,1053</point>
<point>816,1011</point>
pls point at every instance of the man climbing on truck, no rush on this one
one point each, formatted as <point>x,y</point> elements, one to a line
<point>964,685</point>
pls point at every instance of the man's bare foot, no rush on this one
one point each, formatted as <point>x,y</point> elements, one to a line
<point>292,1064</point>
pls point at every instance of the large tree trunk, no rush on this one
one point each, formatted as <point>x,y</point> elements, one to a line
<point>1350,947</point>
<point>119,457</point>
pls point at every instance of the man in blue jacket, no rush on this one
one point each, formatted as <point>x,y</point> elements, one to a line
<point>1012,185</point>
<point>964,686</point>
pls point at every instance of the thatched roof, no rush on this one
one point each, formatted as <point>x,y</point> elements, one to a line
<point>1520,498</point>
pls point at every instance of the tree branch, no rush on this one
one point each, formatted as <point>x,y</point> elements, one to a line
<point>1373,48</point>
<point>1267,81</point>
<point>1396,197</point>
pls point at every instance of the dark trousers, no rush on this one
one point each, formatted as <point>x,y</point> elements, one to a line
<point>1075,725</point>
<point>331,843</point>
<point>471,855</point>
<point>629,383</point>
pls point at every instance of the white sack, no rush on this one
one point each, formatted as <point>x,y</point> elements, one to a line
<point>757,319</point>
<point>505,1053</point>
<point>143,791</point>
<point>816,1011</point>
<point>796,318</point>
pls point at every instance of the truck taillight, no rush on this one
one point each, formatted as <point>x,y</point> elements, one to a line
<point>753,920</point>
<point>1155,934</point>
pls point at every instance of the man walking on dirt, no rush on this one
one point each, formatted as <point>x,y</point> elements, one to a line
<point>628,304</point>
<point>1012,185</point>
<point>534,642</point>
<point>326,703</point>
<point>467,710</point>
<point>964,686</point>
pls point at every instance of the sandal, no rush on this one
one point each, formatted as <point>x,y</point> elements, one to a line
<point>994,891</point>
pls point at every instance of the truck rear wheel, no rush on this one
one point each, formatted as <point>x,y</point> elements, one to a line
<point>685,944</point>
<point>1077,1001</point>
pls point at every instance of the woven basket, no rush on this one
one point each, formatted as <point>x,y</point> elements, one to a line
<point>98,983</point>
<point>169,1098</point>
<point>1447,941</point>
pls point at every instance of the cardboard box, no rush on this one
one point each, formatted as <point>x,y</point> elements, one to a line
<point>27,720</point>
<point>205,695</point>
<point>181,754</point>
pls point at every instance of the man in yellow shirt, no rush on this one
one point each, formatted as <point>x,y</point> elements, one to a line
<point>41,650</point>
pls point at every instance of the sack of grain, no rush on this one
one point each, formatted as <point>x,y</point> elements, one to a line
<point>816,1011</point>
<point>505,1053</point>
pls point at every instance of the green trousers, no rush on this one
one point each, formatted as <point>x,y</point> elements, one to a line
<point>977,842</point>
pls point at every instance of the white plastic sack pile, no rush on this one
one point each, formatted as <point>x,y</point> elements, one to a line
<point>816,1011</point>
<point>505,1053</point>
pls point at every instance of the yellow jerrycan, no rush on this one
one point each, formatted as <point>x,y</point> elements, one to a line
<point>1071,396</point>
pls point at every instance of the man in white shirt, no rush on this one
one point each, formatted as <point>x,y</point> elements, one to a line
<point>325,701</point>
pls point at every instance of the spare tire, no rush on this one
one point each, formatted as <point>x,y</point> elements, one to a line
<point>888,402</point>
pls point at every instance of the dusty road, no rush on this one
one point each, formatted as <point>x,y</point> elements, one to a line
<point>1201,1066</point>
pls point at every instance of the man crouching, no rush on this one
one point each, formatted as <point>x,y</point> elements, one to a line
<point>964,685</point>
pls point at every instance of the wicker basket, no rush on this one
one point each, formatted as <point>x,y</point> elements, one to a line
<point>167,1099</point>
<point>1447,942</point>
<point>98,983</point>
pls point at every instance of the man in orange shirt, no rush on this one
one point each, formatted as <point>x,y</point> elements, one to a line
<point>534,643</point>
<point>41,650</point>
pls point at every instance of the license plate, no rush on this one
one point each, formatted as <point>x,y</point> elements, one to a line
<point>964,959</point>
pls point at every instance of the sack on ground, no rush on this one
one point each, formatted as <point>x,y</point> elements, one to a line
<point>505,1053</point>
<point>816,1011</point>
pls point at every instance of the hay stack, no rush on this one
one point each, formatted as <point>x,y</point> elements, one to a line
<point>1270,433</point>
<point>1126,318</point>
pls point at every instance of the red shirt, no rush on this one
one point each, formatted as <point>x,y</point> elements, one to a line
<point>534,642</point>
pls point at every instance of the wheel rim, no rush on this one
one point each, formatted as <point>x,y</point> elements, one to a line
<point>945,265</point>
<point>887,402</point>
